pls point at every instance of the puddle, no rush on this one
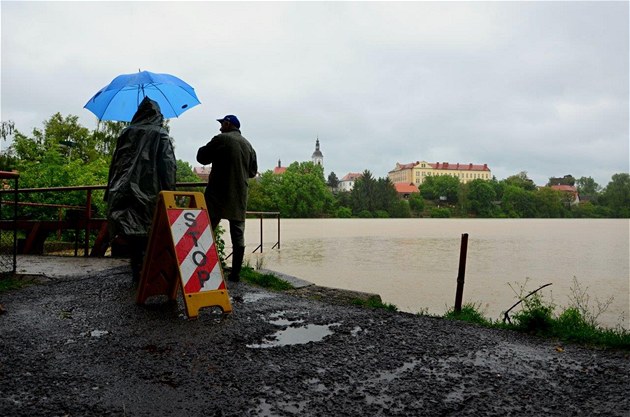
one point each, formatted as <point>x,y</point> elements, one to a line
<point>255,296</point>
<point>296,335</point>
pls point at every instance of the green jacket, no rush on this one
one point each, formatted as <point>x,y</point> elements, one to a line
<point>233,162</point>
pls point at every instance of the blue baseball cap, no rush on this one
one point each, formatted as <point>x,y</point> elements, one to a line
<point>232,119</point>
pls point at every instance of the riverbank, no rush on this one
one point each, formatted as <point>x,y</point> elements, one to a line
<point>78,345</point>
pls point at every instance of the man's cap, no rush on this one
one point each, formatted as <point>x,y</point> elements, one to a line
<point>232,119</point>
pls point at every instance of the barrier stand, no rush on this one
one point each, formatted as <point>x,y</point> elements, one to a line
<point>182,251</point>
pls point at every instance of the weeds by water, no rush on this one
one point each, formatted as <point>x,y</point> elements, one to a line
<point>374,302</point>
<point>268,281</point>
<point>576,323</point>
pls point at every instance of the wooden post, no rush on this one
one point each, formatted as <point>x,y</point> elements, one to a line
<point>462,272</point>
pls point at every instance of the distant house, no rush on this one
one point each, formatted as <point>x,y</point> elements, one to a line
<point>416,172</point>
<point>347,182</point>
<point>202,173</point>
<point>570,189</point>
<point>404,189</point>
<point>279,169</point>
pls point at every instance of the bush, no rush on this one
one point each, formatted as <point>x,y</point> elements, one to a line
<point>344,213</point>
<point>381,214</point>
<point>440,212</point>
<point>470,313</point>
<point>365,214</point>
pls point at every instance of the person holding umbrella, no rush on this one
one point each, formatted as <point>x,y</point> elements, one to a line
<point>143,164</point>
<point>233,162</point>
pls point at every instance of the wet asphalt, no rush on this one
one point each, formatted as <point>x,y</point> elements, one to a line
<point>76,344</point>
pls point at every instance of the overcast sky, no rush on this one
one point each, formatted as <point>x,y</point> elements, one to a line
<point>540,87</point>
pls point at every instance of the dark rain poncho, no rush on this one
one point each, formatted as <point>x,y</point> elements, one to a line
<point>233,162</point>
<point>143,165</point>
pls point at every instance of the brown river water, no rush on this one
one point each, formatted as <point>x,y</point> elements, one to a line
<point>414,263</point>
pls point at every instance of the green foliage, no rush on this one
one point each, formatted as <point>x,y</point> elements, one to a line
<point>480,198</point>
<point>365,214</point>
<point>299,192</point>
<point>219,231</point>
<point>381,214</point>
<point>333,181</point>
<point>440,213</point>
<point>470,313</point>
<point>520,180</point>
<point>8,283</point>
<point>416,203</point>
<point>535,317</point>
<point>441,186</point>
<point>185,172</point>
<point>268,281</point>
<point>374,302</point>
<point>344,212</point>
<point>518,202</point>
<point>616,195</point>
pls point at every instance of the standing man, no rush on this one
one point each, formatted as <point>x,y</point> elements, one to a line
<point>143,165</point>
<point>233,162</point>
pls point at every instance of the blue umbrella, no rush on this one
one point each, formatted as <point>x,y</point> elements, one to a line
<point>119,99</point>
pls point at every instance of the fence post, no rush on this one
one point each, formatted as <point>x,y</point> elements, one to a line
<point>462,272</point>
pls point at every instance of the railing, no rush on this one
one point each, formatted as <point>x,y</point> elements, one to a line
<point>37,230</point>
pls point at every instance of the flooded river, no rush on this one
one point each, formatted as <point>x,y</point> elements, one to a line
<point>413,263</point>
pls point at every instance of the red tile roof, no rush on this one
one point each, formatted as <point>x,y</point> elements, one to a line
<point>352,176</point>
<point>568,188</point>
<point>405,188</point>
<point>279,170</point>
<point>445,166</point>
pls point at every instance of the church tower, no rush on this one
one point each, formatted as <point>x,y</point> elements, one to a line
<point>317,158</point>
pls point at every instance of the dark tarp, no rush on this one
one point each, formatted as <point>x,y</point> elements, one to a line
<point>143,165</point>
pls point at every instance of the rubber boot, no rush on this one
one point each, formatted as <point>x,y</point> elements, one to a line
<point>237,262</point>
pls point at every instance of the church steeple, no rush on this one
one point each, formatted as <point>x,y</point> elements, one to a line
<point>317,157</point>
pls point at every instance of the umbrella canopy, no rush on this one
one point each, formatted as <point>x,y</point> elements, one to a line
<point>119,99</point>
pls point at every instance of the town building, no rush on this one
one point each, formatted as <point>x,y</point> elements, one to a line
<point>202,173</point>
<point>416,172</point>
<point>279,169</point>
<point>404,190</point>
<point>570,190</point>
<point>318,157</point>
<point>347,182</point>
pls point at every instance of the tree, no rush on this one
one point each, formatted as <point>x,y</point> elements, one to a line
<point>185,172</point>
<point>333,181</point>
<point>363,192</point>
<point>566,180</point>
<point>480,198</point>
<point>588,189</point>
<point>551,203</point>
<point>416,203</point>
<point>299,192</point>
<point>436,187</point>
<point>520,180</point>
<point>518,202</point>
<point>616,195</point>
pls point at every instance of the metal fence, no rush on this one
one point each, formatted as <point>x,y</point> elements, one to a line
<point>8,213</point>
<point>67,230</point>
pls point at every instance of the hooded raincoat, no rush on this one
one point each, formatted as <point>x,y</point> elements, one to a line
<point>143,165</point>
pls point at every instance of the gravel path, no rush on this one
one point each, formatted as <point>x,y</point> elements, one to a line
<point>80,346</point>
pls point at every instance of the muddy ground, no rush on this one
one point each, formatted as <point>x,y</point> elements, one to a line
<point>79,346</point>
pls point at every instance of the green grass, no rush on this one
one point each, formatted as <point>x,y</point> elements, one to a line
<point>9,282</point>
<point>470,313</point>
<point>537,317</point>
<point>374,302</point>
<point>268,281</point>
